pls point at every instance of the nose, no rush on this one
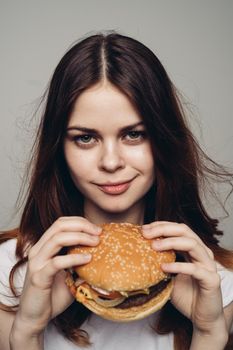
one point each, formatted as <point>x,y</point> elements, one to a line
<point>111,157</point>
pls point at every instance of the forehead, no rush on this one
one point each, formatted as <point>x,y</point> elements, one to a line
<point>103,103</point>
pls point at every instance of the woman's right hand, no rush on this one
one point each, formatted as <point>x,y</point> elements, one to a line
<point>45,294</point>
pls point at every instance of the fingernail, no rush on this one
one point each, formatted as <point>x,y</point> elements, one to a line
<point>156,244</point>
<point>95,238</point>
<point>165,266</point>
<point>98,229</point>
<point>145,227</point>
<point>86,257</point>
<point>146,231</point>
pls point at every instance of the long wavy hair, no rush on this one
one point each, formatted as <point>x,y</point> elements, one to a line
<point>181,167</point>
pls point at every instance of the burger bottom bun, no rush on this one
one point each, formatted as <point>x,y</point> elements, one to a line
<point>133,313</point>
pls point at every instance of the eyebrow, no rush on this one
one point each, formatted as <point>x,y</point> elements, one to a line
<point>94,131</point>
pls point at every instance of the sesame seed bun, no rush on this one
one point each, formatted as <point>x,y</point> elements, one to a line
<point>123,266</point>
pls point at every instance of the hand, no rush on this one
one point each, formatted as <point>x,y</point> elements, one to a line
<point>196,291</point>
<point>45,294</point>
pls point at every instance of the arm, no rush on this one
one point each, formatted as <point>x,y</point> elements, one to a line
<point>6,321</point>
<point>216,340</point>
<point>10,341</point>
<point>228,314</point>
<point>21,338</point>
<point>197,275</point>
<point>45,294</point>
<point>12,338</point>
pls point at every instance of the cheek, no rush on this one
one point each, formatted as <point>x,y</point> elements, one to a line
<point>78,163</point>
<point>142,158</point>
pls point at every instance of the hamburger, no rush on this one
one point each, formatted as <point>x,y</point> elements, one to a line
<point>123,281</point>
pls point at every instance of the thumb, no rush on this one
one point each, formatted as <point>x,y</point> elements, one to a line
<point>61,296</point>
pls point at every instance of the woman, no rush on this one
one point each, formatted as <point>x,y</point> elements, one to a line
<point>113,146</point>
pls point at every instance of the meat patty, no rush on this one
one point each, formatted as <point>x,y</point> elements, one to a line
<point>140,299</point>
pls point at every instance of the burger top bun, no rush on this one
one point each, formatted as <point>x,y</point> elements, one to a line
<point>123,260</point>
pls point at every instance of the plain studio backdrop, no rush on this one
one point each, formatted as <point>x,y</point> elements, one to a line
<point>193,39</point>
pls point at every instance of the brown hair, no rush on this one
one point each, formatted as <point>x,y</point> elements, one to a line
<point>180,165</point>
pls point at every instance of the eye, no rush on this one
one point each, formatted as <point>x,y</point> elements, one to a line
<point>135,135</point>
<point>84,140</point>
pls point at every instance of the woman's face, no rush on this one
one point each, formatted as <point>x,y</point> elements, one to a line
<point>108,152</point>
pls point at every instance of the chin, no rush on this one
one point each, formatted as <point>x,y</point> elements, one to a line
<point>121,204</point>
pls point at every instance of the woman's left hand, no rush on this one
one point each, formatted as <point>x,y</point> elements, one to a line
<point>196,292</point>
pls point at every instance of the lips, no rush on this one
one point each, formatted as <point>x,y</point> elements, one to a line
<point>115,189</point>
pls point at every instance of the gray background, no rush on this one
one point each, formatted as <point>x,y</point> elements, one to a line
<point>193,39</point>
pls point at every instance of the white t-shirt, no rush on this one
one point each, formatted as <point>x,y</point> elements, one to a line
<point>104,335</point>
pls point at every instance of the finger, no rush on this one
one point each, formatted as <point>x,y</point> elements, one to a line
<point>166,229</point>
<point>64,239</point>
<point>60,292</point>
<point>171,229</point>
<point>43,278</point>
<point>195,250</point>
<point>208,279</point>
<point>66,224</point>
